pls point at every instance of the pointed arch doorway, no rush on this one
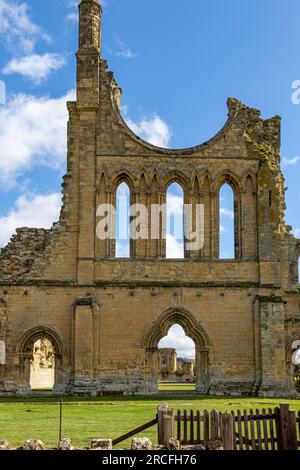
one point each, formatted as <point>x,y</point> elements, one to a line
<point>194,330</point>
<point>30,344</point>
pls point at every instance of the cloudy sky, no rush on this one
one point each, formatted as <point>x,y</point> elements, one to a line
<point>177,63</point>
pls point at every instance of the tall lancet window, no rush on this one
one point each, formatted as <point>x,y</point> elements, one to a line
<point>227,250</point>
<point>123,221</point>
<point>175,222</point>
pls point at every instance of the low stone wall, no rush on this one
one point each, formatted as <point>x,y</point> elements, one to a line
<point>141,443</point>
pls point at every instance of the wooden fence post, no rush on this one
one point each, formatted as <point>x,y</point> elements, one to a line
<point>166,419</point>
<point>286,428</point>
<point>169,418</point>
<point>227,431</point>
<point>161,410</point>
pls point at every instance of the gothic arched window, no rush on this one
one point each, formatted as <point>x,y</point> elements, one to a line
<point>123,221</point>
<point>227,228</point>
<point>175,222</point>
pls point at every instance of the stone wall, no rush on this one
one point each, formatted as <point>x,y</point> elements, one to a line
<point>105,316</point>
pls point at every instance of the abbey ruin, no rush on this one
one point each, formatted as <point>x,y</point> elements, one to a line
<point>105,315</point>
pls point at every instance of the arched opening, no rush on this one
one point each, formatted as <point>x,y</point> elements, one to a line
<point>180,318</point>
<point>175,222</point>
<point>227,225</point>
<point>293,366</point>
<point>296,363</point>
<point>297,273</point>
<point>123,221</point>
<point>40,352</point>
<point>42,365</point>
<point>176,361</point>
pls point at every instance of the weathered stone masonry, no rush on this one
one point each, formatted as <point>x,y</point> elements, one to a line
<point>105,316</point>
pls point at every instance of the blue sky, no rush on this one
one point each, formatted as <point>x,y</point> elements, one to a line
<point>177,63</point>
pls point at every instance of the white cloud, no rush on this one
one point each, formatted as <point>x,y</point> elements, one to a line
<point>185,346</point>
<point>21,35</point>
<point>32,132</point>
<point>175,204</point>
<point>153,130</point>
<point>17,28</point>
<point>73,3</point>
<point>297,232</point>
<point>37,211</point>
<point>290,161</point>
<point>35,67</point>
<point>174,248</point>
<point>122,249</point>
<point>72,17</point>
<point>123,50</point>
<point>227,213</point>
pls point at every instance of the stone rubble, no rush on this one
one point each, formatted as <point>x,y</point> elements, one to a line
<point>141,443</point>
<point>106,444</point>
<point>101,444</point>
<point>33,444</point>
<point>65,444</point>
<point>4,445</point>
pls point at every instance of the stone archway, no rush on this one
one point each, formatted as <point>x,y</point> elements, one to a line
<point>193,329</point>
<point>25,351</point>
<point>291,349</point>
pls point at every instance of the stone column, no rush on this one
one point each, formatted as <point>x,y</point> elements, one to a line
<point>88,92</point>
<point>162,226</point>
<point>152,197</point>
<point>101,200</point>
<point>272,328</point>
<point>85,341</point>
<point>152,355</point>
<point>215,224</point>
<point>202,371</point>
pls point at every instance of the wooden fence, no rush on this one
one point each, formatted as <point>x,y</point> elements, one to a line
<point>277,429</point>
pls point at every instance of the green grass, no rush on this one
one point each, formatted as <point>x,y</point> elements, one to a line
<point>107,417</point>
<point>168,387</point>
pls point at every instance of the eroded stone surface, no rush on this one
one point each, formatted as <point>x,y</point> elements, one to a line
<point>4,445</point>
<point>33,444</point>
<point>141,443</point>
<point>195,447</point>
<point>101,444</point>
<point>65,444</point>
<point>174,444</point>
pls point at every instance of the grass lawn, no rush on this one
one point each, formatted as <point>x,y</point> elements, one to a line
<point>107,417</point>
<point>167,387</point>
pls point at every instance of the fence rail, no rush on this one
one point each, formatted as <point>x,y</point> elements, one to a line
<point>135,431</point>
<point>265,430</point>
